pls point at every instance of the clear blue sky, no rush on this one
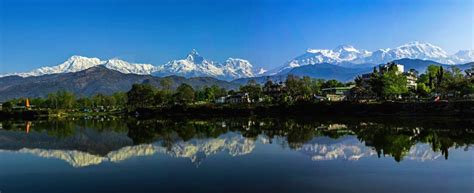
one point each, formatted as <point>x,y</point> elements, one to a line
<point>36,33</point>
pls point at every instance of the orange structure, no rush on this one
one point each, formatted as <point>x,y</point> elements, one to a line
<point>27,103</point>
<point>28,127</point>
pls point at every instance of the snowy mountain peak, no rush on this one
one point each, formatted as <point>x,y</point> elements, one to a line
<point>349,55</point>
<point>464,56</point>
<point>417,43</point>
<point>197,65</point>
<point>73,64</point>
<point>195,57</point>
<point>77,63</point>
<point>423,48</point>
<point>238,68</point>
<point>129,68</point>
<point>412,50</point>
<point>261,71</point>
<point>346,47</point>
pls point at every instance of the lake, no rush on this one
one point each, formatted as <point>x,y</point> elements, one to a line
<point>106,154</point>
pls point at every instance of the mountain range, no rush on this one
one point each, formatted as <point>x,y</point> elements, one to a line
<point>94,80</point>
<point>195,65</point>
<point>348,56</point>
<point>88,76</point>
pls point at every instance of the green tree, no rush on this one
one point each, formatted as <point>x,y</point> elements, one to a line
<point>423,90</point>
<point>84,103</point>
<point>331,84</point>
<point>7,106</point>
<point>141,95</point>
<point>393,84</point>
<point>253,89</point>
<point>184,94</point>
<point>61,100</point>
<point>162,97</point>
<point>120,98</point>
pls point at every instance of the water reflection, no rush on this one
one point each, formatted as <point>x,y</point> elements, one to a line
<point>87,142</point>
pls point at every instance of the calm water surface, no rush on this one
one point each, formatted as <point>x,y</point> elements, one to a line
<point>237,155</point>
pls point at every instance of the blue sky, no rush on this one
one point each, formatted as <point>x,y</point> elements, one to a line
<point>36,33</point>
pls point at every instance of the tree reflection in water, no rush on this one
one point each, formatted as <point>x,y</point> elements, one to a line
<point>387,137</point>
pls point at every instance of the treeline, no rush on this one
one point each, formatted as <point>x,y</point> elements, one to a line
<point>444,82</point>
<point>436,81</point>
<point>295,89</point>
<point>145,95</point>
<point>67,100</point>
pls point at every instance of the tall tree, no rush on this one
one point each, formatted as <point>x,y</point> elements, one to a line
<point>141,95</point>
<point>184,94</point>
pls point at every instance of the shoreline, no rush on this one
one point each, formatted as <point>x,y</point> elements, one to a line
<point>461,109</point>
<point>443,109</point>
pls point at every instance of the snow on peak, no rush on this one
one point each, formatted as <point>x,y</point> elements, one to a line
<point>464,56</point>
<point>346,47</point>
<point>78,63</point>
<point>261,71</point>
<point>348,55</point>
<point>238,68</point>
<point>412,50</point>
<point>194,56</point>
<point>197,65</point>
<point>192,66</point>
<point>73,64</point>
<point>342,53</point>
<point>129,68</point>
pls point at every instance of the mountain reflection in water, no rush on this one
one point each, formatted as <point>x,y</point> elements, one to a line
<point>90,142</point>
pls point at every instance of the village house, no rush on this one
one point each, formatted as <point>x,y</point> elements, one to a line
<point>238,98</point>
<point>384,68</point>
<point>337,93</point>
<point>412,77</point>
<point>220,100</point>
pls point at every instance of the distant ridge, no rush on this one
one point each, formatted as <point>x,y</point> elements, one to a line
<point>94,80</point>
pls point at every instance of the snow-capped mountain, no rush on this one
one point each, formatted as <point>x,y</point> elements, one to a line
<point>194,65</point>
<point>412,50</point>
<point>238,68</point>
<point>73,64</point>
<point>129,68</point>
<point>78,63</point>
<point>345,55</point>
<point>464,56</point>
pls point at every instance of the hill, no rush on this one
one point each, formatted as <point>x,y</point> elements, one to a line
<point>97,79</point>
